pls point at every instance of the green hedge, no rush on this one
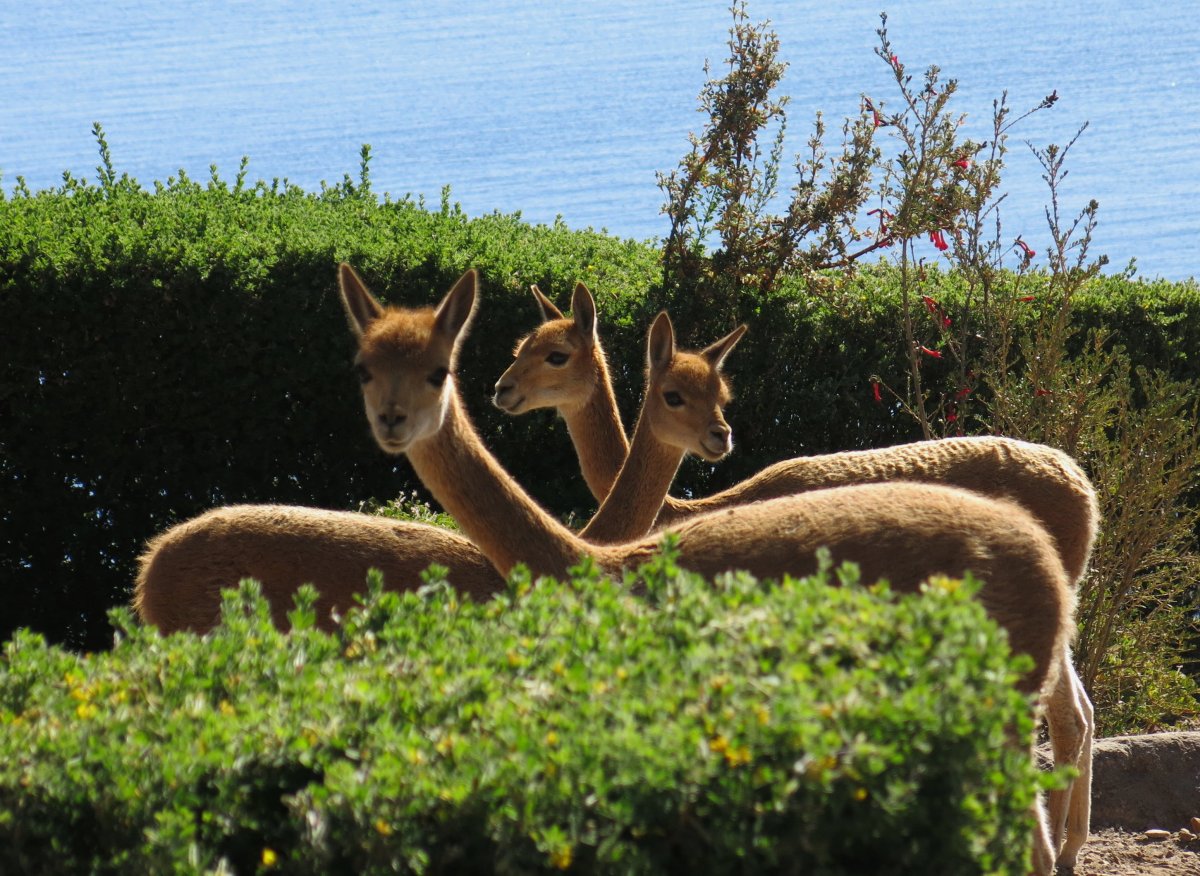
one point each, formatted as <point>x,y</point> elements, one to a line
<point>167,351</point>
<point>699,729</point>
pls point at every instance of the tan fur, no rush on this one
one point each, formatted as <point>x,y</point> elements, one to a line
<point>904,531</point>
<point>1046,481</point>
<point>562,365</point>
<point>1041,479</point>
<point>184,569</point>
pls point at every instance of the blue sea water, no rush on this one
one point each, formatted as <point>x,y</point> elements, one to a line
<point>570,108</point>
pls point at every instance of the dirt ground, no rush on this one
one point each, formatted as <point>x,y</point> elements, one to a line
<point>1145,807</point>
<point>1112,852</point>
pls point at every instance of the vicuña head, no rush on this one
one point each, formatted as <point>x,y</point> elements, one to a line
<point>406,358</point>
<point>555,365</point>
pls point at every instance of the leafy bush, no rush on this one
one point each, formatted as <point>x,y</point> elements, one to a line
<point>743,726</point>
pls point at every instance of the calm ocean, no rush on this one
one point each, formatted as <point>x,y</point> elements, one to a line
<point>570,107</point>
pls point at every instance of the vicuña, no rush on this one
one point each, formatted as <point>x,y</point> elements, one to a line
<point>901,531</point>
<point>561,364</point>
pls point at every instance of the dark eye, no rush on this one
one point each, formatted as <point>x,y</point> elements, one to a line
<point>673,399</point>
<point>438,377</point>
<point>557,359</point>
<point>364,376</point>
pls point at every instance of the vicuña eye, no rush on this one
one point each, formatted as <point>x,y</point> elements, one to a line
<point>557,359</point>
<point>673,399</point>
<point>438,376</point>
<point>364,376</point>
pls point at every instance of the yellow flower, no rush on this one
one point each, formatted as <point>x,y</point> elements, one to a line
<point>85,711</point>
<point>383,828</point>
<point>269,858</point>
<point>736,757</point>
<point>227,709</point>
<point>551,739</point>
<point>560,858</point>
<point>945,584</point>
<point>860,794</point>
<point>763,714</point>
<point>718,744</point>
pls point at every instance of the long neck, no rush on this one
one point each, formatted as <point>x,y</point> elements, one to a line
<point>597,433</point>
<point>494,512</point>
<point>629,509</point>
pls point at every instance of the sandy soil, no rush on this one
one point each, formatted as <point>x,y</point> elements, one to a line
<point>1112,852</point>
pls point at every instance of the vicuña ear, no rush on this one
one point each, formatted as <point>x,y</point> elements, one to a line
<point>545,305</point>
<point>583,309</point>
<point>660,345</point>
<point>455,312</point>
<point>716,352</point>
<point>361,306</point>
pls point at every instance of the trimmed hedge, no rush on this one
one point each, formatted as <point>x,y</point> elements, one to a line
<point>168,351</point>
<point>741,727</point>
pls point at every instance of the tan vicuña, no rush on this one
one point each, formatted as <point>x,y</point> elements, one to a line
<point>561,364</point>
<point>904,532</point>
<point>183,570</point>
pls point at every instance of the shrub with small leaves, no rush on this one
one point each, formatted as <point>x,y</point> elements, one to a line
<point>743,726</point>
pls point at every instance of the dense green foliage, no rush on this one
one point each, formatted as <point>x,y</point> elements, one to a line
<point>744,727</point>
<point>169,351</point>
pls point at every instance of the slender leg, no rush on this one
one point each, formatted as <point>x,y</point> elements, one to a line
<point>1079,807</point>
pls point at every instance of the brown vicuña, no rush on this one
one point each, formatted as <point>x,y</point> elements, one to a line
<point>183,570</point>
<point>904,532</point>
<point>562,365</point>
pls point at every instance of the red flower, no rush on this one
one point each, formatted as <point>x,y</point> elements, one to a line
<point>1027,298</point>
<point>1025,249</point>
<point>935,310</point>
<point>896,63</point>
<point>884,232</point>
<point>938,239</point>
<point>963,393</point>
<point>964,163</point>
<point>875,391</point>
<point>876,118</point>
<point>933,354</point>
<point>951,414</point>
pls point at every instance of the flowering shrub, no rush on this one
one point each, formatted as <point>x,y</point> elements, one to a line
<point>702,728</point>
<point>990,341</point>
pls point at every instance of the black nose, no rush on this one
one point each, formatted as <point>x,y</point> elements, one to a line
<point>392,420</point>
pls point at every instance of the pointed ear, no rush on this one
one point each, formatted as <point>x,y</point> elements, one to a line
<point>716,352</point>
<point>545,305</point>
<point>455,312</point>
<point>361,307</point>
<point>583,309</point>
<point>660,344</point>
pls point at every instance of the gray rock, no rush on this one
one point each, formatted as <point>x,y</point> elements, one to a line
<point>1146,782</point>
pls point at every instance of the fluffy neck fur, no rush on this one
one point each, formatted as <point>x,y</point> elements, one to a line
<point>629,509</point>
<point>597,432</point>
<point>473,487</point>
